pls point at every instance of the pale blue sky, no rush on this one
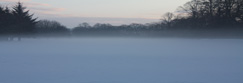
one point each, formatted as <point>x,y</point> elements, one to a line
<point>148,10</point>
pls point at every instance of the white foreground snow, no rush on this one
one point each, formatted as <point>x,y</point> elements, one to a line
<point>122,60</point>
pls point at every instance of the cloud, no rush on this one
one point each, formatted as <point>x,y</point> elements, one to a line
<point>53,10</point>
<point>35,7</point>
<point>14,0</point>
<point>29,3</point>
<point>33,4</point>
<point>43,8</point>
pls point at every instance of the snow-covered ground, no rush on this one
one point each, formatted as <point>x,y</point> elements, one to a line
<point>122,60</point>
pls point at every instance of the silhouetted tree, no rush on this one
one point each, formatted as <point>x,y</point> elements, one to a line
<point>16,22</point>
<point>84,25</point>
<point>6,20</point>
<point>24,22</point>
<point>167,19</point>
<point>2,20</point>
<point>48,28</point>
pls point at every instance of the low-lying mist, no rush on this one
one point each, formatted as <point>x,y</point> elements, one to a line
<point>199,43</point>
<point>121,60</point>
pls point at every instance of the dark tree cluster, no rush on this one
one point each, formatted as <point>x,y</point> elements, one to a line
<point>208,17</point>
<point>209,14</point>
<point>215,13</point>
<point>16,21</point>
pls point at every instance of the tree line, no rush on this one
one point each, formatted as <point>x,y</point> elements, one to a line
<point>196,18</point>
<point>205,18</point>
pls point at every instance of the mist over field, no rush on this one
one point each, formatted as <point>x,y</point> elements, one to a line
<point>121,41</point>
<point>121,60</point>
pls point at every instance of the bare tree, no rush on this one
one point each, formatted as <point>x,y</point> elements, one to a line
<point>46,27</point>
<point>168,18</point>
<point>84,25</point>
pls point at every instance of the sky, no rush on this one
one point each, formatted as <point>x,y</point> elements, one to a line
<point>72,12</point>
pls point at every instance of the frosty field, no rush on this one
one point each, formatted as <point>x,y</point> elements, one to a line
<point>122,60</point>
